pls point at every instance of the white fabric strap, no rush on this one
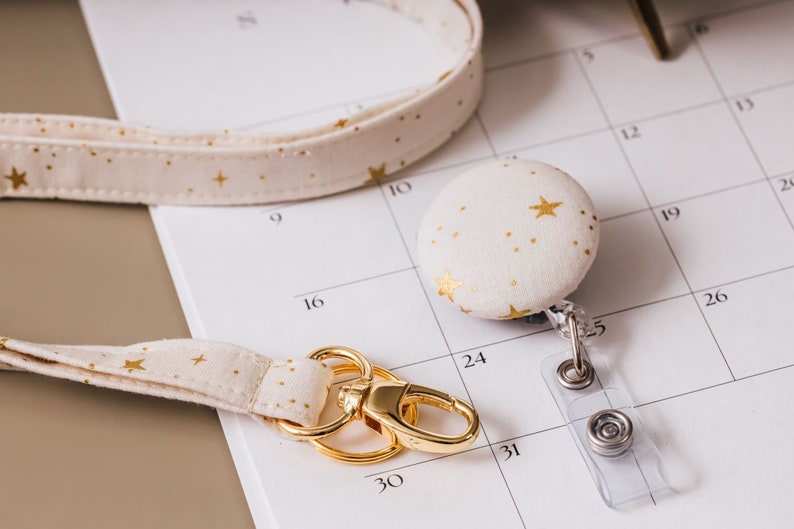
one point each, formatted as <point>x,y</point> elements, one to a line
<point>80,158</point>
<point>216,374</point>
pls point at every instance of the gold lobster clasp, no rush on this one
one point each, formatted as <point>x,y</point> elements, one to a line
<point>387,406</point>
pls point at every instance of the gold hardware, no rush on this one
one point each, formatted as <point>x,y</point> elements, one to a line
<point>409,412</point>
<point>389,407</point>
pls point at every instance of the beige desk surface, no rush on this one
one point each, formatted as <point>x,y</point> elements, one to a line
<point>74,456</point>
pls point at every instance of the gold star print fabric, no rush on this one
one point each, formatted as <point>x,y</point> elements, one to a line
<point>216,374</point>
<point>508,239</point>
<point>81,158</point>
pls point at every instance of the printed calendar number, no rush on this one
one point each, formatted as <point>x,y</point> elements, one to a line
<point>631,133</point>
<point>744,104</point>
<point>510,451</point>
<point>400,188</point>
<point>247,20</point>
<point>713,298</point>
<point>392,481</point>
<point>598,329</point>
<point>701,28</point>
<point>786,184</point>
<point>472,361</point>
<point>275,218</point>
<point>671,213</point>
<point>313,303</point>
<point>588,56</point>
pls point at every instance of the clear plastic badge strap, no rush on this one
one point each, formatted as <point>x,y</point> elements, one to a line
<point>621,456</point>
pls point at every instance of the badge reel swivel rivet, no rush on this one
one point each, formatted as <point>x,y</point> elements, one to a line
<point>609,432</point>
<point>509,239</point>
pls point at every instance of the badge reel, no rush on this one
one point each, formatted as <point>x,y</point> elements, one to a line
<point>507,240</point>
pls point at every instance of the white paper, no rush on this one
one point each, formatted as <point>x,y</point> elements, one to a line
<point>688,161</point>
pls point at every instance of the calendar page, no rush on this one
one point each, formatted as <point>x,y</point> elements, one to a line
<point>690,163</point>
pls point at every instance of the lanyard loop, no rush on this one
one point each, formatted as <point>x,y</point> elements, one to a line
<point>80,158</point>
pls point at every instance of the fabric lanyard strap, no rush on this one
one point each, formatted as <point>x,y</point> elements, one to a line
<point>216,374</point>
<point>80,158</point>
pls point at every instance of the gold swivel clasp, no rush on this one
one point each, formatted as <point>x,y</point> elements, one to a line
<point>387,406</point>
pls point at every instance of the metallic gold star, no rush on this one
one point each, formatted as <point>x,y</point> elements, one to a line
<point>200,358</point>
<point>545,208</point>
<point>341,123</point>
<point>515,314</point>
<point>129,365</point>
<point>220,179</point>
<point>3,343</point>
<point>465,311</point>
<point>17,179</point>
<point>376,173</point>
<point>446,285</point>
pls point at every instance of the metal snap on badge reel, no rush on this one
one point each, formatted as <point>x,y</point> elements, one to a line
<point>610,432</point>
<point>621,456</point>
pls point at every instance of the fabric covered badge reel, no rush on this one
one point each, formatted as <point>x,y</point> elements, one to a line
<point>509,240</point>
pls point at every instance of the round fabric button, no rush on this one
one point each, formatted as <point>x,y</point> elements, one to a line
<point>508,239</point>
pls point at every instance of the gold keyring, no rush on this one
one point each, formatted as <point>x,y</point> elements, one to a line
<point>357,361</point>
<point>410,414</point>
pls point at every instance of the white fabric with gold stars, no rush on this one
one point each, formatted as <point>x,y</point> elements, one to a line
<point>216,374</point>
<point>82,158</point>
<point>508,239</point>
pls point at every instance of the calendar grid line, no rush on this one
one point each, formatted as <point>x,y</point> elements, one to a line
<point>743,279</point>
<point>741,9</point>
<point>545,143</point>
<point>564,51</point>
<point>709,193</point>
<point>505,340</point>
<point>449,348</point>
<point>408,172</point>
<point>761,90</point>
<point>667,114</point>
<point>784,174</point>
<point>428,460</point>
<point>324,108</point>
<point>686,393</point>
<point>727,382</point>
<point>354,282</point>
<point>487,135</point>
<point>705,104</point>
<point>742,130</point>
<point>496,443</point>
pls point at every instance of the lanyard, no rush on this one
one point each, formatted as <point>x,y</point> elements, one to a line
<point>82,158</point>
